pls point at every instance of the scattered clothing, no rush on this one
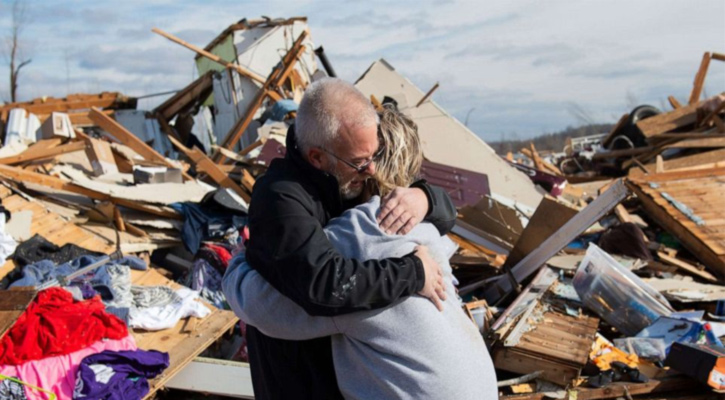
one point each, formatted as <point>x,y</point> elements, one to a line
<point>217,214</point>
<point>58,374</point>
<point>54,324</point>
<point>164,317</point>
<point>11,390</point>
<point>207,281</point>
<point>281,108</point>
<point>222,252</point>
<point>45,270</point>
<point>205,275</point>
<point>118,375</point>
<point>153,296</point>
<point>37,248</point>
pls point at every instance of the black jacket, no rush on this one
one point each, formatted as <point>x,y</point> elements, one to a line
<point>290,206</point>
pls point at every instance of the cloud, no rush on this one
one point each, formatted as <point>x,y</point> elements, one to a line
<point>161,60</point>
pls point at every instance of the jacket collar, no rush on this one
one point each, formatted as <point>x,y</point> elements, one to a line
<point>326,184</point>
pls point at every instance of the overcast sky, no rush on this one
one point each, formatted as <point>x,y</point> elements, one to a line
<point>522,67</point>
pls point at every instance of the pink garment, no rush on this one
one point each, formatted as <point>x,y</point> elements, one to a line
<point>58,374</point>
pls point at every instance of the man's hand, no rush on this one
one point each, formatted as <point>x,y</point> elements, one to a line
<point>434,288</point>
<point>402,209</point>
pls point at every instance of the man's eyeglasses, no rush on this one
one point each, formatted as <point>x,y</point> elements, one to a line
<point>362,167</point>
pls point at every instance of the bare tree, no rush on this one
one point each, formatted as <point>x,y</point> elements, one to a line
<point>18,23</point>
<point>581,114</point>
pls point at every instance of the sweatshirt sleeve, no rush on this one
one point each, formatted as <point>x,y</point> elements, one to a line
<point>289,248</point>
<point>441,212</point>
<point>257,303</point>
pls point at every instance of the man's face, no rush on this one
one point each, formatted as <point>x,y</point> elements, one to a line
<point>357,146</point>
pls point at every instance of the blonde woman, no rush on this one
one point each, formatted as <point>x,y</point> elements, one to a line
<point>408,350</point>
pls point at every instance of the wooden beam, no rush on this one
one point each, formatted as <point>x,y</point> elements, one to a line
<point>130,140</point>
<point>32,154</point>
<point>206,165</point>
<point>717,56</point>
<point>185,97</point>
<point>427,95</point>
<point>673,102</point>
<point>704,143</point>
<point>666,122</point>
<point>242,71</point>
<point>699,79</point>
<point>687,267</point>
<point>74,102</point>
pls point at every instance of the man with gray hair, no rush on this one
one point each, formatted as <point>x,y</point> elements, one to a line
<point>330,154</point>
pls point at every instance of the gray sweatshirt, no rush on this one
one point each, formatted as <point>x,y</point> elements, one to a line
<point>408,350</point>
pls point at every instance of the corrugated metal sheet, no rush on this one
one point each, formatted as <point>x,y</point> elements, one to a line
<point>466,188</point>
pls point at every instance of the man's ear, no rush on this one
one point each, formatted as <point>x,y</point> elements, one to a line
<point>316,157</point>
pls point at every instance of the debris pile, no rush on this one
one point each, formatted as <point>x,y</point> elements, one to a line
<point>588,283</point>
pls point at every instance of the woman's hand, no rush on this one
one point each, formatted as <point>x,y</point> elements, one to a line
<point>402,210</point>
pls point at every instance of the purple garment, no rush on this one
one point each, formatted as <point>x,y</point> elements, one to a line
<point>118,375</point>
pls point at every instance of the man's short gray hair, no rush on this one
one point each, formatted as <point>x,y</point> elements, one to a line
<point>329,104</point>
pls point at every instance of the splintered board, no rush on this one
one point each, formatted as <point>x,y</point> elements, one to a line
<point>703,192</point>
<point>557,344</point>
<point>183,342</point>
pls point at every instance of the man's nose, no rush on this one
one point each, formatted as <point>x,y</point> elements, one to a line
<point>370,170</point>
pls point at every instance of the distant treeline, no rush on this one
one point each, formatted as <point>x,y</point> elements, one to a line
<point>550,141</point>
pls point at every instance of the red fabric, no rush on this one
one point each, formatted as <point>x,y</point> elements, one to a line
<point>54,324</point>
<point>221,252</point>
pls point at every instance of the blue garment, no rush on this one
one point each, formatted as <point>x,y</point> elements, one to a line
<point>45,270</point>
<point>205,223</point>
<point>281,108</point>
<point>118,375</point>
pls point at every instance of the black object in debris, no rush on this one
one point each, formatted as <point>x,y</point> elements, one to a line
<point>629,374</point>
<point>703,362</point>
<point>210,219</point>
<point>325,62</point>
<point>37,248</point>
<point>626,239</point>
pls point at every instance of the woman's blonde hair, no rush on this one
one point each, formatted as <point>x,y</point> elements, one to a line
<point>400,162</point>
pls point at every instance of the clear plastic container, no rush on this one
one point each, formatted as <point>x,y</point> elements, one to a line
<point>616,294</point>
<point>653,349</point>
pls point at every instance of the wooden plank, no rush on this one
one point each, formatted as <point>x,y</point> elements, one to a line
<point>699,79</point>
<point>548,218</point>
<point>242,71</point>
<point>673,102</point>
<point>74,102</point>
<point>427,95</point>
<point>185,97</point>
<point>688,236</point>
<point>510,359</point>
<point>33,154</point>
<point>129,139</point>
<point>689,268</point>
<point>670,121</point>
<point>12,304</point>
<point>206,165</point>
<point>711,142</point>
